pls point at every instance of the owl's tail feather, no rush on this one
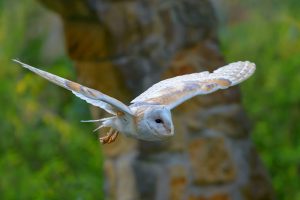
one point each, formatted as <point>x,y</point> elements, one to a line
<point>106,122</point>
<point>98,128</point>
<point>98,120</point>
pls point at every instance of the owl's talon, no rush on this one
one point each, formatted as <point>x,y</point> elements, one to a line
<point>113,137</point>
<point>109,137</point>
<point>104,139</point>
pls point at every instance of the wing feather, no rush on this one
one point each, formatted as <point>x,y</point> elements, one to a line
<point>174,91</point>
<point>91,96</point>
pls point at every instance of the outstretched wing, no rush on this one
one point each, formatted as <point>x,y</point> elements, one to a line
<point>174,91</point>
<point>91,96</point>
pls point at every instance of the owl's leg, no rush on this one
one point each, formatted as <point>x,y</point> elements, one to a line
<point>109,137</point>
<point>113,137</point>
<point>105,138</point>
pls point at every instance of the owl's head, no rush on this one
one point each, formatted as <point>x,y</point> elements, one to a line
<point>157,122</point>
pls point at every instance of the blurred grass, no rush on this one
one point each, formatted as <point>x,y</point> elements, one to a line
<point>45,152</point>
<point>270,37</point>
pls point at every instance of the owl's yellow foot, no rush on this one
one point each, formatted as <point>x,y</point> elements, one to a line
<point>110,137</point>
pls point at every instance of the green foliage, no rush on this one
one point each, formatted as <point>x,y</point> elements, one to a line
<point>270,37</point>
<point>45,152</point>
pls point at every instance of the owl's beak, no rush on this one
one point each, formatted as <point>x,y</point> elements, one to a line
<point>169,130</point>
<point>169,127</point>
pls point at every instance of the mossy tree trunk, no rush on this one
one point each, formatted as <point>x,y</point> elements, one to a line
<point>122,48</point>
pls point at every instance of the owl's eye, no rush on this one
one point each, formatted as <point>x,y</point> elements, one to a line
<point>158,121</point>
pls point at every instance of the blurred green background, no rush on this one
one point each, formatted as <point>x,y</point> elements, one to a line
<point>268,33</point>
<point>42,154</point>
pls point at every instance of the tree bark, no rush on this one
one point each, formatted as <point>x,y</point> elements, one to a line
<point>123,47</point>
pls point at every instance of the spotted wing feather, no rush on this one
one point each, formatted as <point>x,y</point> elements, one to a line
<point>174,91</point>
<point>91,96</point>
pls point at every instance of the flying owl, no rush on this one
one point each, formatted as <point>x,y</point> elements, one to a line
<point>149,116</point>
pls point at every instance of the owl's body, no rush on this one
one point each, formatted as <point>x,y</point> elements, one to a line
<point>149,116</point>
<point>139,127</point>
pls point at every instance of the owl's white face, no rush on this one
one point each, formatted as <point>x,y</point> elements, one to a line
<point>156,124</point>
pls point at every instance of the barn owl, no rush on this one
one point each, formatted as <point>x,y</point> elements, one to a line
<point>149,116</point>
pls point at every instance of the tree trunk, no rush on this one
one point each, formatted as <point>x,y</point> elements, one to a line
<point>123,47</point>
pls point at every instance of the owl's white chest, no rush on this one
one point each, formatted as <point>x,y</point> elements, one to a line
<point>131,126</point>
<point>126,125</point>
